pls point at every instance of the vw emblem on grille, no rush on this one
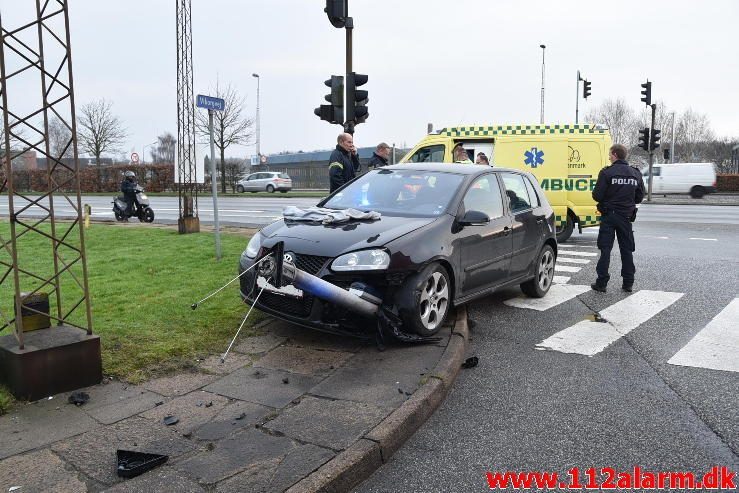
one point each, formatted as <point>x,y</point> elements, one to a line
<point>289,257</point>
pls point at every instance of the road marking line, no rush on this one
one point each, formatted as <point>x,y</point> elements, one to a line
<point>590,338</point>
<point>560,279</point>
<point>558,293</point>
<point>566,268</point>
<point>716,346</point>
<point>567,246</point>
<point>705,239</point>
<point>581,254</point>
<point>573,260</point>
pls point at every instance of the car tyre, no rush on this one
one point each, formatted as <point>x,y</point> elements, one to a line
<point>697,192</point>
<point>539,286</point>
<point>270,189</point>
<point>425,300</point>
<point>564,232</point>
<point>239,189</point>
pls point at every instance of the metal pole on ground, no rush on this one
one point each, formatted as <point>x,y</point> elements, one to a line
<point>214,187</point>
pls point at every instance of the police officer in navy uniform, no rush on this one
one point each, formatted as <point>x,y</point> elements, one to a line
<point>618,189</point>
<point>343,164</point>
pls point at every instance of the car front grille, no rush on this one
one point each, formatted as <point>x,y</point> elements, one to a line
<point>312,264</point>
<point>287,304</point>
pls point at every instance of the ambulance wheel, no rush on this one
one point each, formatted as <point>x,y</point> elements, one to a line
<point>565,231</point>
<point>697,192</point>
<point>539,286</point>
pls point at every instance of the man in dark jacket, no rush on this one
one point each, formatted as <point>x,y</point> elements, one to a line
<point>380,156</point>
<point>343,165</point>
<point>128,189</point>
<point>618,189</point>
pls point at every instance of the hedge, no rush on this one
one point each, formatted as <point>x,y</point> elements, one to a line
<point>153,177</point>
<point>727,183</point>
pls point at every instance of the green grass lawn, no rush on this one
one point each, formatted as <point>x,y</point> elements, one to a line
<point>142,281</point>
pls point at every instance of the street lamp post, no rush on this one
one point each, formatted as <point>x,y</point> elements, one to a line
<point>259,154</point>
<point>143,153</point>
<point>543,48</point>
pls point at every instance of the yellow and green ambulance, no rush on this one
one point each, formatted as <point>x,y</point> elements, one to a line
<point>566,159</point>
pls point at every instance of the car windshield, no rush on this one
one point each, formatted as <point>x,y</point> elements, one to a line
<point>399,193</point>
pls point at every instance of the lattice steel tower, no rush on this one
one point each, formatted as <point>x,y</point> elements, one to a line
<point>189,221</point>
<point>38,54</point>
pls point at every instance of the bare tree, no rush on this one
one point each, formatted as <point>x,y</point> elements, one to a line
<point>99,130</point>
<point>235,169</point>
<point>619,117</point>
<point>165,149</point>
<point>230,126</point>
<point>60,139</point>
<point>691,129</point>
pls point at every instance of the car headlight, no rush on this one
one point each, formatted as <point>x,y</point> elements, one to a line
<point>255,244</point>
<point>362,260</point>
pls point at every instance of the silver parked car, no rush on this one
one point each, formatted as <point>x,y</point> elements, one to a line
<point>268,181</point>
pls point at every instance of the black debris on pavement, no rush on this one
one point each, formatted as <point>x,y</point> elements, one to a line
<point>209,404</point>
<point>171,420</point>
<point>158,403</point>
<point>132,464</point>
<point>241,416</point>
<point>470,362</point>
<point>285,380</point>
<point>78,398</point>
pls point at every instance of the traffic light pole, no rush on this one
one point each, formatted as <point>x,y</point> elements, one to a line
<point>651,153</point>
<point>349,27</point>
<point>577,97</point>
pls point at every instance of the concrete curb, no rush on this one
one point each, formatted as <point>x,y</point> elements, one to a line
<point>364,457</point>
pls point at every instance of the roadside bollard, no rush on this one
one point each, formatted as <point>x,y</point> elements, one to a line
<point>88,213</point>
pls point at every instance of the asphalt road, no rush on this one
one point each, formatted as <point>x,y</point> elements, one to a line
<point>536,404</point>
<point>232,211</point>
<point>257,211</point>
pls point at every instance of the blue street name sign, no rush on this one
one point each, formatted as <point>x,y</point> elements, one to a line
<point>210,103</point>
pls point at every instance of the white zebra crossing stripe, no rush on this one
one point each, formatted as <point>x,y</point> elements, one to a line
<point>560,279</point>
<point>716,346</point>
<point>566,268</point>
<point>590,338</point>
<point>573,260</point>
<point>558,293</point>
<point>567,245</point>
<point>581,254</point>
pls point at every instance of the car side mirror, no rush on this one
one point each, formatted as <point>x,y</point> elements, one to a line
<point>474,218</point>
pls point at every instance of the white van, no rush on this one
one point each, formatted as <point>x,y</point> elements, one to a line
<point>697,179</point>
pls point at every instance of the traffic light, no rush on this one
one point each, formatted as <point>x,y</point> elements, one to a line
<point>586,89</point>
<point>336,12</point>
<point>644,139</point>
<point>646,93</point>
<point>356,99</point>
<point>655,139</point>
<point>666,153</point>
<point>334,112</point>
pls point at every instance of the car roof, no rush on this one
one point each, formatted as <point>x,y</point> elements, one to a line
<point>456,168</point>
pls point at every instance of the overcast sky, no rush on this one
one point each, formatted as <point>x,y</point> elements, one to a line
<point>444,62</point>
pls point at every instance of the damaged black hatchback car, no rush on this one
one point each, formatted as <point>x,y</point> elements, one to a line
<point>447,234</point>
